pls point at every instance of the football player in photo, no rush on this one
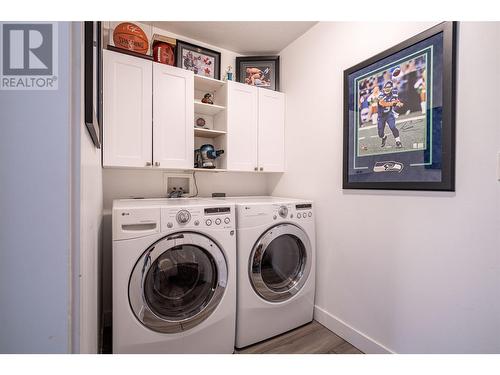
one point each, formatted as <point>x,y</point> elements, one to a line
<point>387,100</point>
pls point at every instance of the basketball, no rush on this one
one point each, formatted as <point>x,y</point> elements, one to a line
<point>129,36</point>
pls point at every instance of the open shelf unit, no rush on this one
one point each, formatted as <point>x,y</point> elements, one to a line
<point>215,130</point>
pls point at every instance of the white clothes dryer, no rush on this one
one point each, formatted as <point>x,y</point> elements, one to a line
<point>276,266</point>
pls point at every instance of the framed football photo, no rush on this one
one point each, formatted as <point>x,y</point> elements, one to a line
<point>399,116</point>
<point>259,71</point>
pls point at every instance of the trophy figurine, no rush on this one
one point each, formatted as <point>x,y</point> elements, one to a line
<point>228,76</point>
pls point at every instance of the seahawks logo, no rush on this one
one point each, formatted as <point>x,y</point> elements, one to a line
<point>388,166</point>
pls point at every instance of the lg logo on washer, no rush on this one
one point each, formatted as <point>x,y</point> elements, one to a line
<point>29,56</point>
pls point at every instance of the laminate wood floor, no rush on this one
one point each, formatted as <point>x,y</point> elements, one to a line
<point>311,338</point>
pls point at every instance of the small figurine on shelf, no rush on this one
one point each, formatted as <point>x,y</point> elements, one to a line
<point>207,99</point>
<point>200,122</point>
<point>228,76</point>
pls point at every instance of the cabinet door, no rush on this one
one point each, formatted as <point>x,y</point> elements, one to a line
<point>127,110</point>
<point>241,127</point>
<point>271,145</point>
<point>173,117</point>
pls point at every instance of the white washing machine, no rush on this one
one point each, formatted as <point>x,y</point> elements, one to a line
<point>276,266</point>
<point>174,276</point>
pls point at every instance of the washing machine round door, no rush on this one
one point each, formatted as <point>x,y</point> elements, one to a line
<point>280,262</point>
<point>178,282</point>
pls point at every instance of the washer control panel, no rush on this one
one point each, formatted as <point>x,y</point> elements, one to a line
<point>220,217</point>
<point>283,211</point>
<point>183,217</point>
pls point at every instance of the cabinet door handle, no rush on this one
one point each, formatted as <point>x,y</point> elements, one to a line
<point>157,163</point>
<point>256,169</point>
<point>261,168</point>
<point>148,164</point>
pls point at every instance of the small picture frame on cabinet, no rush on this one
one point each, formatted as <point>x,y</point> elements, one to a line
<point>259,71</point>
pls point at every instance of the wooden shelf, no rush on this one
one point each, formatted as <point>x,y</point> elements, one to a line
<point>207,109</point>
<point>208,133</point>
<point>207,84</point>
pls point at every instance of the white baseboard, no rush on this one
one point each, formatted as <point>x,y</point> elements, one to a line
<point>348,333</point>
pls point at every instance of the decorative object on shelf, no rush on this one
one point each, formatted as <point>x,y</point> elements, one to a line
<point>260,71</point>
<point>131,37</point>
<point>164,49</point>
<point>207,98</point>
<point>228,76</point>
<point>205,156</point>
<point>202,61</point>
<point>200,122</point>
<point>93,80</point>
<point>399,115</point>
<point>163,53</point>
<point>197,158</point>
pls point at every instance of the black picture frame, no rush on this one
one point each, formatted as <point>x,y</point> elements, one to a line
<point>273,62</point>
<point>93,80</point>
<point>446,144</point>
<point>181,63</point>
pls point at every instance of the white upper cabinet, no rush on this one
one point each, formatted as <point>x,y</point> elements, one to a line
<point>242,120</point>
<point>149,110</point>
<point>255,129</point>
<point>127,110</point>
<point>271,131</point>
<point>173,117</point>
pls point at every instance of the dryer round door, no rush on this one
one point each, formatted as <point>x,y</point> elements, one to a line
<point>178,282</point>
<point>280,262</point>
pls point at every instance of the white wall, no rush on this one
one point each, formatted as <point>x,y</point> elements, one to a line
<point>122,183</point>
<point>409,272</point>
<point>90,225</point>
<point>90,243</point>
<point>51,174</point>
<point>36,207</point>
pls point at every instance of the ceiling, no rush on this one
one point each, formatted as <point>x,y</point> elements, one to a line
<point>245,38</point>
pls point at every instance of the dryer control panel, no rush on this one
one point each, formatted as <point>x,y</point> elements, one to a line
<point>220,217</point>
<point>303,210</point>
<point>252,215</point>
<point>292,211</point>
